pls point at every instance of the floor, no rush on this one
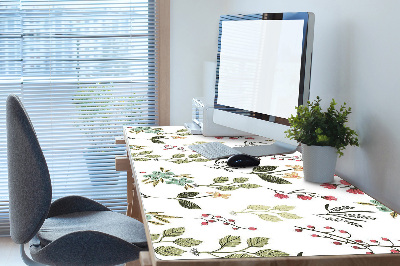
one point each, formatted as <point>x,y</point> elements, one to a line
<point>9,253</point>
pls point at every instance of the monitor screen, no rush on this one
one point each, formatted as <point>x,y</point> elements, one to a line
<point>263,71</point>
<point>260,64</point>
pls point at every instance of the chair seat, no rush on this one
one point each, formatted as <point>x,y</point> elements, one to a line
<point>108,222</point>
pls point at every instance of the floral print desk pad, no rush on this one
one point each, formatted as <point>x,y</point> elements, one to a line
<point>199,209</point>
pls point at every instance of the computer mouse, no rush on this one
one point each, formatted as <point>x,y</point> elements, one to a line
<point>242,160</point>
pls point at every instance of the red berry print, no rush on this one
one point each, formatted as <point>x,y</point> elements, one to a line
<point>204,223</point>
<point>329,198</point>
<point>281,196</point>
<point>329,186</point>
<point>345,183</point>
<point>355,191</point>
<point>337,243</point>
<point>304,197</point>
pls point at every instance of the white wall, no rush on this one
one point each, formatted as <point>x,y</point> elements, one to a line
<point>194,41</point>
<point>356,60</point>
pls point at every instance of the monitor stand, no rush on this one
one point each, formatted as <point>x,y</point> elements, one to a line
<point>276,148</point>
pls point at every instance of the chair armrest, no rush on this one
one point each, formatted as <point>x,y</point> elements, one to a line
<point>72,204</point>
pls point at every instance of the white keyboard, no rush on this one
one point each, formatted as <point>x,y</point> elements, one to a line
<point>214,150</point>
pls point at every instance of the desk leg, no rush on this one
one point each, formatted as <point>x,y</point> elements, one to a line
<point>129,193</point>
<point>133,210</point>
<point>132,197</point>
<point>144,260</point>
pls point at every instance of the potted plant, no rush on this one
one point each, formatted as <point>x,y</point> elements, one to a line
<point>323,135</point>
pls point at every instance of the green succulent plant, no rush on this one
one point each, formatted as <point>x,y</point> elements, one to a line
<point>312,126</point>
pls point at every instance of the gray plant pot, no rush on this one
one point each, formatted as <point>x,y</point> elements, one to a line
<point>319,163</point>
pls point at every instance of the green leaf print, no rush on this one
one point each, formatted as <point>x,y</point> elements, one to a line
<point>169,251</point>
<point>273,179</point>
<point>181,161</point>
<point>221,179</point>
<point>227,188</point>
<point>258,207</point>
<point>289,215</point>
<point>248,186</point>
<point>377,203</point>
<point>154,237</point>
<point>179,155</point>
<point>271,253</point>
<point>153,156</point>
<point>187,194</point>
<point>240,180</point>
<point>188,204</point>
<point>366,203</point>
<point>257,242</point>
<point>161,219</point>
<point>183,132</point>
<point>239,255</point>
<point>283,208</point>
<point>270,214</point>
<point>157,140</point>
<point>136,147</point>
<point>201,160</point>
<point>267,168</point>
<point>187,242</point>
<point>144,152</point>
<point>173,232</point>
<point>140,159</point>
<point>380,207</point>
<point>229,241</point>
<point>156,223</point>
<point>268,217</point>
<point>384,209</point>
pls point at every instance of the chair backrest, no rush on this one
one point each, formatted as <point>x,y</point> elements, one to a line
<point>29,183</point>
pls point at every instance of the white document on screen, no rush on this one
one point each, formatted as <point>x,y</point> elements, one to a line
<point>260,65</point>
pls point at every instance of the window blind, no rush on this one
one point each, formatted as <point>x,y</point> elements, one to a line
<point>83,69</point>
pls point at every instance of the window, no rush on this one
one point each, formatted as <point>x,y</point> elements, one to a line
<point>83,69</point>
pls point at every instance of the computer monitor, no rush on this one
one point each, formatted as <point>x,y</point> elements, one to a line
<point>263,73</point>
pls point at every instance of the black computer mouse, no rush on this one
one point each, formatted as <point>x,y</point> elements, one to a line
<point>242,160</point>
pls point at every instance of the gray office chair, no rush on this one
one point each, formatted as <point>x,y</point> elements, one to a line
<point>70,231</point>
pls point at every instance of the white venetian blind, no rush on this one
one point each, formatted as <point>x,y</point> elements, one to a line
<point>83,69</point>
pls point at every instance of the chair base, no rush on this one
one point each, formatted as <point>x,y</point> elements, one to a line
<point>26,259</point>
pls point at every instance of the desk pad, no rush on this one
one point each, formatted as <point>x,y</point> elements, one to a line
<point>199,209</point>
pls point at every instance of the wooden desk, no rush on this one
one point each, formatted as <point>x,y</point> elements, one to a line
<point>201,212</point>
